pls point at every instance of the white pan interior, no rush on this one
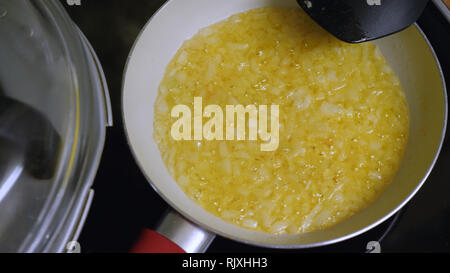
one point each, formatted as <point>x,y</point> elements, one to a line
<point>407,52</point>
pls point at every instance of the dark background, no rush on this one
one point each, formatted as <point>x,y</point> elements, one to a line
<point>124,202</point>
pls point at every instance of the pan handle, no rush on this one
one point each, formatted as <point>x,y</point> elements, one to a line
<point>173,234</point>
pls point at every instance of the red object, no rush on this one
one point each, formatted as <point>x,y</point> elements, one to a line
<point>151,241</point>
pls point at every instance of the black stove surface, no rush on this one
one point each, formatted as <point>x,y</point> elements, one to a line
<point>124,202</point>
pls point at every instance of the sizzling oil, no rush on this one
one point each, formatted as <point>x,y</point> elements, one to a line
<point>344,122</point>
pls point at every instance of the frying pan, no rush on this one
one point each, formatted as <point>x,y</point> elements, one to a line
<point>190,228</point>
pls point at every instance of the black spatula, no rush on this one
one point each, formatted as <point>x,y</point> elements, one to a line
<point>357,21</point>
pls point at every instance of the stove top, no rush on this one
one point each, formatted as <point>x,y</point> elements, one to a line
<point>124,202</point>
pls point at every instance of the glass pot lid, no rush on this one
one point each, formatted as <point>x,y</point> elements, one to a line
<point>53,112</point>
